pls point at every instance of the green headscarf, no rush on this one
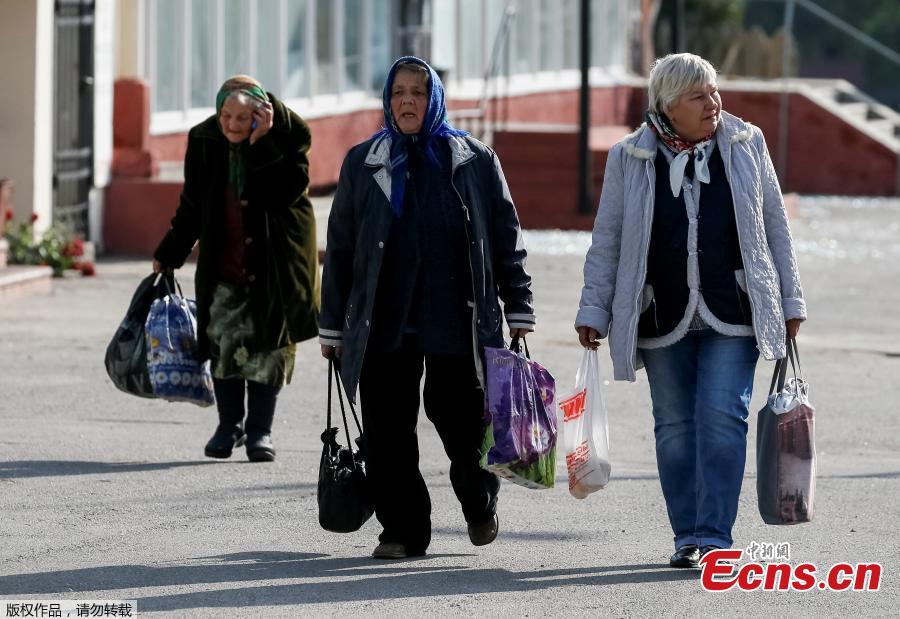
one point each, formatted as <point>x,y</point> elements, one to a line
<point>237,159</point>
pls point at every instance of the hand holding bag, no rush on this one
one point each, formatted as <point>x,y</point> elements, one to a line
<point>343,494</point>
<point>586,430</point>
<point>786,447</point>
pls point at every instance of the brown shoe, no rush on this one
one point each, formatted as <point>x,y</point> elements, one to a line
<point>389,550</point>
<point>484,533</point>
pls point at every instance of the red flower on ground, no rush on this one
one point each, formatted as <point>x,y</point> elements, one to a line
<point>8,215</point>
<point>73,248</point>
<point>87,269</point>
<point>33,218</point>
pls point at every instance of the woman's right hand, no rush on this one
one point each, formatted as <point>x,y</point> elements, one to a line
<point>331,352</point>
<point>588,337</point>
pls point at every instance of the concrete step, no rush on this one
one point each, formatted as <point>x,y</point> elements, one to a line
<point>19,280</point>
<point>856,109</point>
<point>887,127</point>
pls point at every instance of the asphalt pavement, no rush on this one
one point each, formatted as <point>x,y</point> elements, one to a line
<point>104,496</point>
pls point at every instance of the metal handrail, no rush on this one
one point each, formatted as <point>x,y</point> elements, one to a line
<point>848,28</point>
<point>492,69</point>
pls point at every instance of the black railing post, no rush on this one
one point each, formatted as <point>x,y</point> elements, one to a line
<point>584,205</point>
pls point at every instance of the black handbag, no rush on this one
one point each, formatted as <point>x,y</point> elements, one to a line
<point>126,354</point>
<point>345,502</point>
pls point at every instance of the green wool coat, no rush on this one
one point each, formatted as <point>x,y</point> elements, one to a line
<point>280,228</point>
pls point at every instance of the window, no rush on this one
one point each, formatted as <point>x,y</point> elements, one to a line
<point>325,66</point>
<point>353,44</point>
<point>571,25</point>
<point>235,48</point>
<point>297,79</point>
<point>443,37</point>
<point>523,38</point>
<point>203,84</point>
<point>549,42</point>
<point>472,24</point>
<point>166,91</point>
<point>295,48</point>
<point>380,43</point>
<point>269,43</point>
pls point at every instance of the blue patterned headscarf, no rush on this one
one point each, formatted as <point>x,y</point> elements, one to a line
<point>435,125</point>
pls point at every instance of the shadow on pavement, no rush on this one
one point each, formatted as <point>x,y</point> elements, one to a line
<point>505,533</point>
<point>56,468</point>
<point>374,580</point>
<point>419,581</point>
<point>236,567</point>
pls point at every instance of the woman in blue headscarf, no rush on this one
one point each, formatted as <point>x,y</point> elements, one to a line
<point>423,243</point>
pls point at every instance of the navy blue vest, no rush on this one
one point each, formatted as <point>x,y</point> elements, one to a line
<point>719,253</point>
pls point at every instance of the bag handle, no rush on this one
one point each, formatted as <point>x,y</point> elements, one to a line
<point>792,344</point>
<point>165,279</point>
<point>516,346</point>
<point>779,376</point>
<point>334,370</point>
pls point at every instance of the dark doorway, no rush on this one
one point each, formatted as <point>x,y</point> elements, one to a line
<point>73,132</point>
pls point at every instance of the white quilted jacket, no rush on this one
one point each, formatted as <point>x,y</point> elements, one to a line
<point>616,264</point>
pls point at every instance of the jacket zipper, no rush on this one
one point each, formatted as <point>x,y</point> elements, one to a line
<point>655,320</point>
<point>479,370</point>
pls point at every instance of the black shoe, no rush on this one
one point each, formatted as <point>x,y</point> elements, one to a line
<point>225,439</point>
<point>686,556</point>
<point>260,448</point>
<point>390,550</point>
<point>484,533</point>
<point>706,549</point>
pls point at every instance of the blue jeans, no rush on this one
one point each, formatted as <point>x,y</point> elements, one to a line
<point>701,387</point>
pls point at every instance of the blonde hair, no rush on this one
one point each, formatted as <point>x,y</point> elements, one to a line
<point>674,75</point>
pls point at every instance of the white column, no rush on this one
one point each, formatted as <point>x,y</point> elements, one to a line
<point>104,76</point>
<point>26,127</point>
<point>130,15</point>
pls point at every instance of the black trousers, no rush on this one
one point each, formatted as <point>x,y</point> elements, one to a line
<point>454,403</point>
<point>261,400</point>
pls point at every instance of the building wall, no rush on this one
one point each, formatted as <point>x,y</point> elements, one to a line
<point>26,64</point>
<point>825,154</point>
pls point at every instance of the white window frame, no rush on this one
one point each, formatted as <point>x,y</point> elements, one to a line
<point>311,104</point>
<point>541,80</point>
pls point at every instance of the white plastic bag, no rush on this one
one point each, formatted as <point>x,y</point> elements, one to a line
<point>586,430</point>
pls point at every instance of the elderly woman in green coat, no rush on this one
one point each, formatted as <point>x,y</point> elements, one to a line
<point>245,199</point>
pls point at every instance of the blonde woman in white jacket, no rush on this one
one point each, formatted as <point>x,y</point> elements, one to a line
<point>691,274</point>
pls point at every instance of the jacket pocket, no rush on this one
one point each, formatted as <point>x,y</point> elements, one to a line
<point>740,275</point>
<point>743,299</point>
<point>648,323</point>
<point>646,298</point>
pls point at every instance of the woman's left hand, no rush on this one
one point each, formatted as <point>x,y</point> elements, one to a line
<point>793,326</point>
<point>264,116</point>
<point>518,332</point>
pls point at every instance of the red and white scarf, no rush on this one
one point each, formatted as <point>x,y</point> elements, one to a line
<point>683,150</point>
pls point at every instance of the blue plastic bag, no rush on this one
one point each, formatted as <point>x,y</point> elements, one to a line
<point>173,362</point>
<point>520,438</point>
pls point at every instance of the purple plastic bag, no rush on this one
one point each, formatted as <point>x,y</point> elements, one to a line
<point>521,404</point>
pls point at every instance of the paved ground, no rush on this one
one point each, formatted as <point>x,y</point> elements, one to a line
<point>106,496</point>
